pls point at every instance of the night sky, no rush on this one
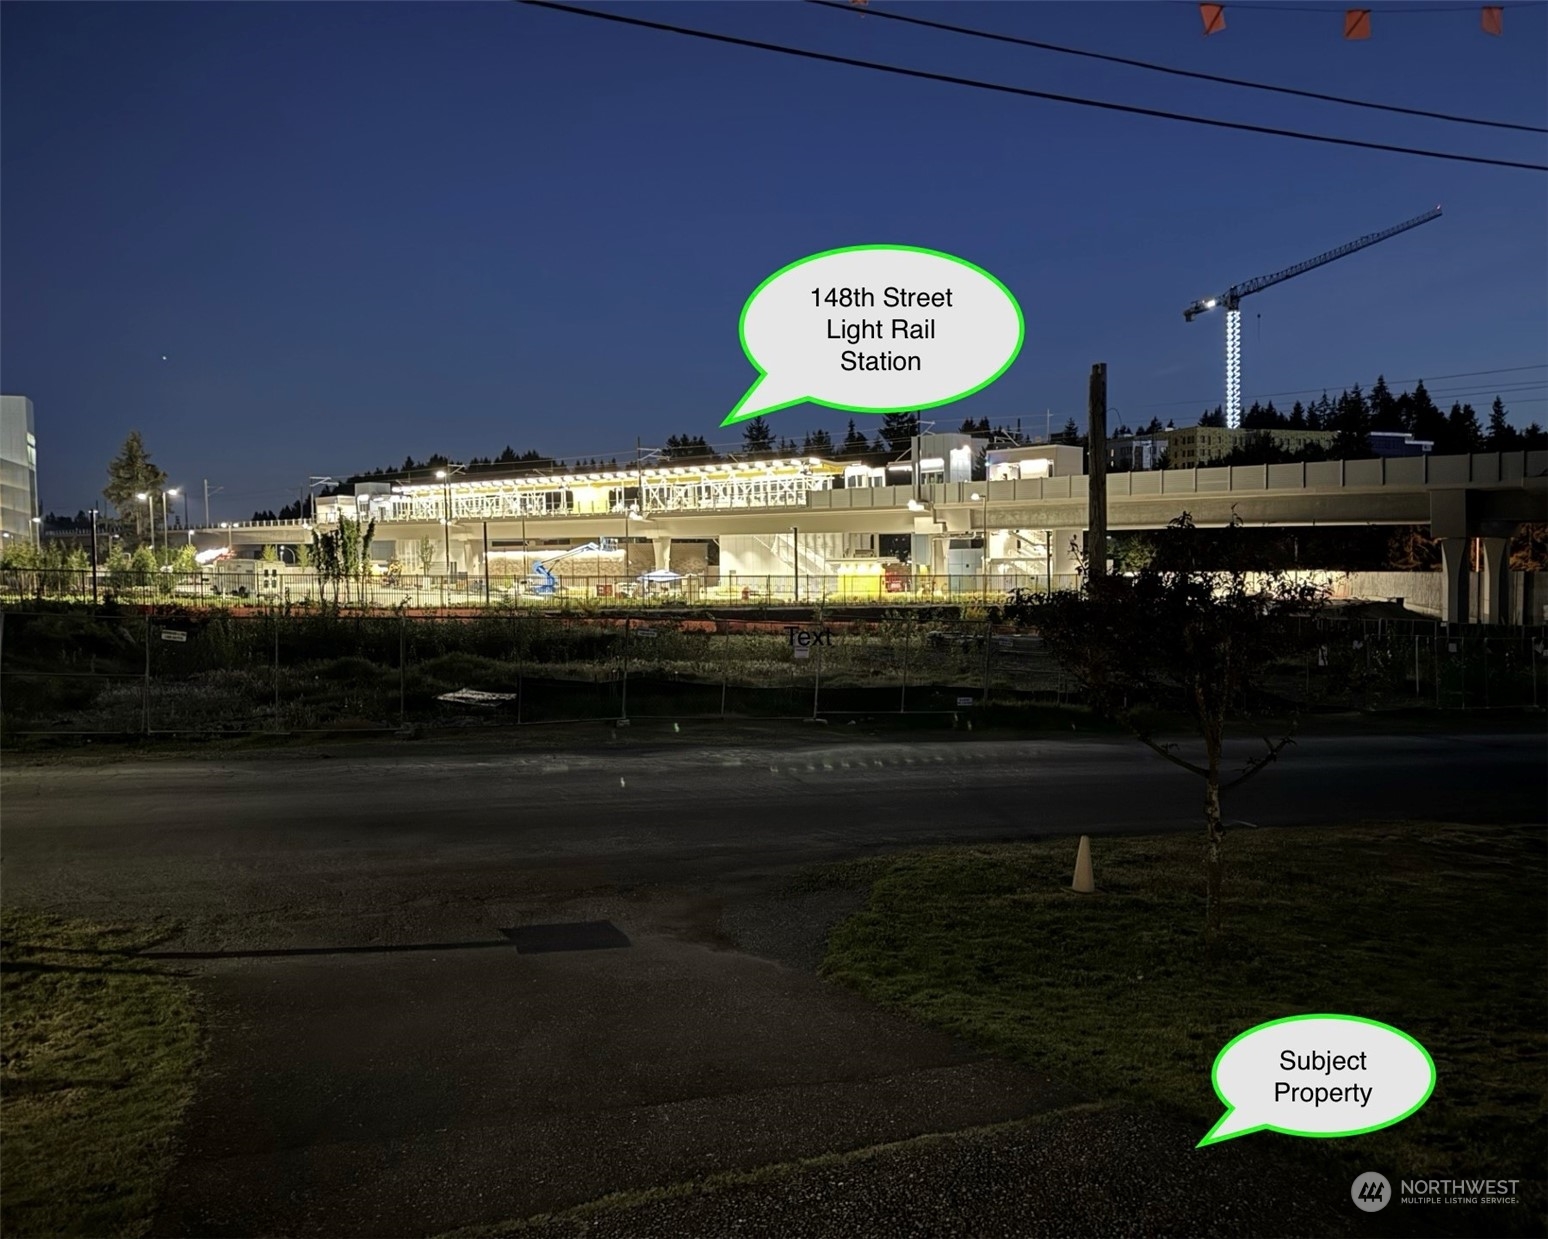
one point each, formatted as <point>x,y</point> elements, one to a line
<point>360,231</point>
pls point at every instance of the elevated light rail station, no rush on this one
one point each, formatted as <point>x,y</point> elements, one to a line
<point>916,527</point>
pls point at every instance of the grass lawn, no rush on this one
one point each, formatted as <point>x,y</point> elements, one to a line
<point>1436,929</point>
<point>97,1051</point>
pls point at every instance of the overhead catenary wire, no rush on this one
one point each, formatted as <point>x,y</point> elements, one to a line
<point>1025,92</point>
<point>1151,66</point>
<point>1328,387</point>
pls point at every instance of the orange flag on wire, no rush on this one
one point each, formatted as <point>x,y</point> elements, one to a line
<point>1214,18</point>
<point>1493,19</point>
<point>1357,23</point>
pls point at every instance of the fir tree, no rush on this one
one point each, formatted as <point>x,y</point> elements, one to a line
<point>855,443</point>
<point>1428,422</point>
<point>1502,436</point>
<point>757,438</point>
<point>131,473</point>
<point>1463,433</point>
<point>1385,414</point>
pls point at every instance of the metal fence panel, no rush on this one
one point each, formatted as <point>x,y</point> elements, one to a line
<point>72,671</point>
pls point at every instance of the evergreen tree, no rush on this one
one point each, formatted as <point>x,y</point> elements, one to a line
<point>686,447</point>
<point>132,473</point>
<point>1297,417</point>
<point>1463,433</point>
<point>1502,436</point>
<point>1070,434</point>
<point>817,443</point>
<point>508,457</point>
<point>1352,422</point>
<point>1217,418</point>
<point>1428,422</point>
<point>1384,407</point>
<point>855,443</point>
<point>898,428</point>
<point>1534,438</point>
<point>757,438</point>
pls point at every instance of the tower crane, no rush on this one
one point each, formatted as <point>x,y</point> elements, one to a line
<point>1231,301</point>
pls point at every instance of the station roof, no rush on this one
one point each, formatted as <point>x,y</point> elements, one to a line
<point>695,471</point>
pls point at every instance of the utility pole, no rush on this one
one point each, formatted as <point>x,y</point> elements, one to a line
<point>206,503</point>
<point>94,557</point>
<point>1096,471</point>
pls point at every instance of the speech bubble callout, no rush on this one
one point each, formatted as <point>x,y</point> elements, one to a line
<point>1319,1076</point>
<point>876,329</point>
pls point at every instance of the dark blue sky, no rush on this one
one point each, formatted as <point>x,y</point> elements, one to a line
<point>362,231</point>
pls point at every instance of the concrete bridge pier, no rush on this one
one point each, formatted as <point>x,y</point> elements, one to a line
<point>1496,581</point>
<point>662,548</point>
<point>1456,580</point>
<point>1066,551</point>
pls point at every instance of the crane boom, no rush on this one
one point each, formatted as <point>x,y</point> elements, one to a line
<point>1232,296</point>
<point>1231,301</point>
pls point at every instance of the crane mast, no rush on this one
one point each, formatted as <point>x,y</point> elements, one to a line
<point>1231,301</point>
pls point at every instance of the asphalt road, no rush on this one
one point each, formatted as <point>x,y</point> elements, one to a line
<point>353,1087</point>
<point>397,841</point>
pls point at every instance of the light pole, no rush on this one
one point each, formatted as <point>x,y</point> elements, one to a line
<point>150,509</point>
<point>166,530</point>
<point>94,557</point>
<point>984,525</point>
<point>36,522</point>
<point>445,477</point>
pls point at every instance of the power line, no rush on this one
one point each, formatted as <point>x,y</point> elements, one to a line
<point>995,37</point>
<point>1334,9</point>
<point>1002,88</point>
<point>1345,386</point>
<point>1307,391</point>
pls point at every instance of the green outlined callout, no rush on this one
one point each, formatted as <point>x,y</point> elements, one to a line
<point>1320,1076</point>
<point>876,329</point>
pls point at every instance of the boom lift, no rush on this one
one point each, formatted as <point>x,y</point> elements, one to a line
<point>545,583</point>
<point>1231,300</point>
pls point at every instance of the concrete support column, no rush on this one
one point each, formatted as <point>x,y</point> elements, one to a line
<point>1066,544</point>
<point>663,550</point>
<point>1455,580</point>
<point>1496,581</point>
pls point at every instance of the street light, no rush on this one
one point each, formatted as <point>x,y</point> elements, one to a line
<point>166,531</point>
<point>150,507</point>
<point>37,530</point>
<point>984,525</point>
<point>94,557</point>
<point>445,477</point>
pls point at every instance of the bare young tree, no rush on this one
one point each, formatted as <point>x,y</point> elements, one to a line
<point>1195,631</point>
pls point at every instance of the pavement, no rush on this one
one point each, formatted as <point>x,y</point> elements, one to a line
<point>385,1060</point>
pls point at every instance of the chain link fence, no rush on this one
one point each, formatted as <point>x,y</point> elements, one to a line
<point>73,671</point>
<point>246,583</point>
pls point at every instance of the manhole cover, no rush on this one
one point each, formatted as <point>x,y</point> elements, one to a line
<point>578,936</point>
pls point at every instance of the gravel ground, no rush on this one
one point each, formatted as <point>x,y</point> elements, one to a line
<point>1099,1170</point>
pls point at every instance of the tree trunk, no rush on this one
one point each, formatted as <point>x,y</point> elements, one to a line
<point>1213,862</point>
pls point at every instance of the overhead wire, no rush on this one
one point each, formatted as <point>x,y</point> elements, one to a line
<point>1151,66</point>
<point>1308,391</point>
<point>1026,92</point>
